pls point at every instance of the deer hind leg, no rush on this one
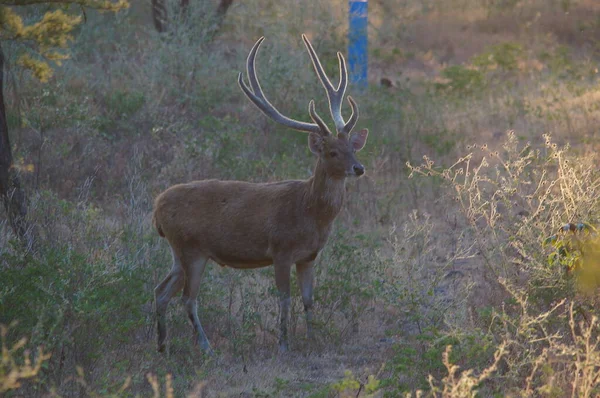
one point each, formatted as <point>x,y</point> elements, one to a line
<point>163,294</point>
<point>282,279</point>
<point>304,273</point>
<point>194,272</point>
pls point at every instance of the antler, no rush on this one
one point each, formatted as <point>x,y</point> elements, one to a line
<point>257,96</point>
<point>335,96</point>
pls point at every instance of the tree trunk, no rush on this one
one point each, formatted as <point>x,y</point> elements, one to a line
<point>159,15</point>
<point>12,195</point>
<point>223,7</point>
<point>221,12</point>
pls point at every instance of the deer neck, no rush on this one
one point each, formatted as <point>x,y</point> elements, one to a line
<point>325,195</point>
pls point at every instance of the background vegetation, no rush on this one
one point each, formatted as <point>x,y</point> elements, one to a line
<point>483,146</point>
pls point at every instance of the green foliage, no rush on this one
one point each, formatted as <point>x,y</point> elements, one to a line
<point>124,104</point>
<point>495,6</point>
<point>504,56</point>
<point>576,250</point>
<point>560,63</point>
<point>45,41</point>
<point>461,79</point>
<point>65,288</point>
<point>463,383</point>
<point>474,77</point>
<point>224,142</point>
<point>441,142</point>
<point>416,359</point>
<point>347,282</point>
<point>390,57</point>
<point>279,388</point>
<point>349,382</point>
<point>350,386</point>
<point>71,300</point>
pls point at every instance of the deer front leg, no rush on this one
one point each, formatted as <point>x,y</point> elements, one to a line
<point>304,273</point>
<point>282,279</point>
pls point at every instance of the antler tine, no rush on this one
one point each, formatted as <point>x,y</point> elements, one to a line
<point>343,74</point>
<point>335,96</point>
<point>316,118</point>
<point>353,117</point>
<point>256,95</point>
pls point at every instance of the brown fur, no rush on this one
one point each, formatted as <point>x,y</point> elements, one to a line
<point>157,226</point>
<point>245,225</point>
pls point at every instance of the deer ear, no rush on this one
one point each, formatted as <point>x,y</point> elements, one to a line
<point>315,143</point>
<point>359,139</point>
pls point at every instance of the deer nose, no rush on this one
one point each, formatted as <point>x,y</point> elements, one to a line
<point>359,169</point>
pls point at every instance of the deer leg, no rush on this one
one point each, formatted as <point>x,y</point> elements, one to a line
<point>193,277</point>
<point>304,273</point>
<point>162,295</point>
<point>282,279</point>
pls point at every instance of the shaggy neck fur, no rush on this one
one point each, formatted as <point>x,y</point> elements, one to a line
<point>325,195</point>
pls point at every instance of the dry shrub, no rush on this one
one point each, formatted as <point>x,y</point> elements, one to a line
<point>420,277</point>
<point>511,200</point>
<point>514,197</point>
<point>465,383</point>
<point>12,371</point>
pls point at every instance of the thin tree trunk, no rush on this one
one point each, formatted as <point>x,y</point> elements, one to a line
<point>223,7</point>
<point>159,15</point>
<point>221,12</point>
<point>13,197</point>
<point>184,4</point>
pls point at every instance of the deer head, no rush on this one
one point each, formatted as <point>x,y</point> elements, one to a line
<point>336,152</point>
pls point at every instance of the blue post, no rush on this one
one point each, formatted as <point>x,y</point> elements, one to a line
<point>357,42</point>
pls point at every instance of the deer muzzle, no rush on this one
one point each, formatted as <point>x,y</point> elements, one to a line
<point>358,169</point>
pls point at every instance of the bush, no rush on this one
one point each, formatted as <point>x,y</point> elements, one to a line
<point>124,104</point>
<point>12,371</point>
<point>79,303</point>
<point>504,56</point>
<point>511,200</point>
<point>461,80</point>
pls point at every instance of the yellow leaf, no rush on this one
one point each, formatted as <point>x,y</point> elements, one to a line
<point>40,69</point>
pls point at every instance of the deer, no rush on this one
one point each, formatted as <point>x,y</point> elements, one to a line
<point>247,225</point>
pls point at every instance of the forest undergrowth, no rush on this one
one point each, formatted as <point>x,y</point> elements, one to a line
<point>464,263</point>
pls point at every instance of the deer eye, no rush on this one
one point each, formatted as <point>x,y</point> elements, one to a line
<point>333,154</point>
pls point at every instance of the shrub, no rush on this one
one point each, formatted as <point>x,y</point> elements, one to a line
<point>12,371</point>
<point>461,79</point>
<point>346,283</point>
<point>510,200</point>
<point>78,303</point>
<point>504,56</point>
<point>124,104</point>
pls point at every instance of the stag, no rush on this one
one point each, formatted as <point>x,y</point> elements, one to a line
<point>250,225</point>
